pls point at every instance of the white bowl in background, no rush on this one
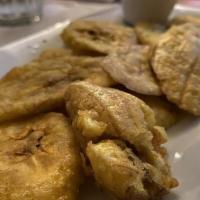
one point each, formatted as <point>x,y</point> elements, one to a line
<point>147,10</point>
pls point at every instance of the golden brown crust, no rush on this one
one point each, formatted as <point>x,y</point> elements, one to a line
<point>114,171</point>
<point>176,64</point>
<point>39,159</point>
<point>117,169</point>
<point>111,107</point>
<point>98,113</point>
<point>97,37</point>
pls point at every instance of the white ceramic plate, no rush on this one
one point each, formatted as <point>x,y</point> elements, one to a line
<point>184,138</point>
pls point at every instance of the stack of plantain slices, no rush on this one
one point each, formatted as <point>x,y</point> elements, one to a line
<point>108,96</point>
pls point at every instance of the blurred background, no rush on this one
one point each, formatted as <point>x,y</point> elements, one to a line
<point>20,18</point>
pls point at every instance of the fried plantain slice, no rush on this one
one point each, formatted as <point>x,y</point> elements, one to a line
<point>131,68</point>
<point>97,37</point>
<point>177,66</point>
<point>149,34</point>
<point>39,159</point>
<point>36,87</point>
<point>183,19</point>
<point>117,169</point>
<point>98,112</point>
